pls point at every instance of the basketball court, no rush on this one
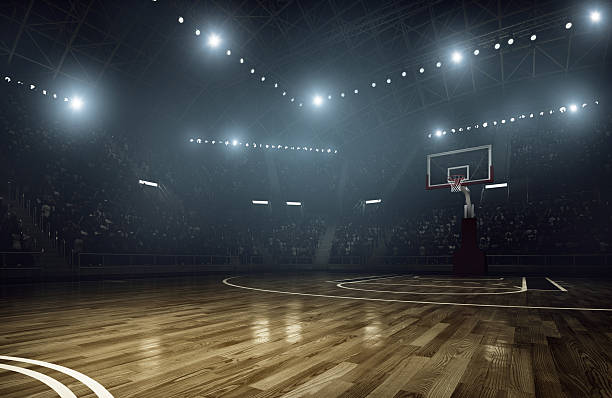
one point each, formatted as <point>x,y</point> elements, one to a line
<point>309,334</point>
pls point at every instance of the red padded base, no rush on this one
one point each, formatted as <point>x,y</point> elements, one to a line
<point>469,259</point>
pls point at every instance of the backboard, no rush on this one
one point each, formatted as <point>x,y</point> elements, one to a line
<point>474,163</point>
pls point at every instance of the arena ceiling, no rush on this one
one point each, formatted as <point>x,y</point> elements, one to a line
<point>117,47</point>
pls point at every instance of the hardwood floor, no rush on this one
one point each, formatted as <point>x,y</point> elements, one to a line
<point>404,336</point>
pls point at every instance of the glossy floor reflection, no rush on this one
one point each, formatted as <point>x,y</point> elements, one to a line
<point>198,337</point>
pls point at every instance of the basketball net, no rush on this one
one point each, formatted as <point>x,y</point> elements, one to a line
<point>455,182</point>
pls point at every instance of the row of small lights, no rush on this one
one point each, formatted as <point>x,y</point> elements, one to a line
<point>254,145</point>
<point>572,108</point>
<point>76,103</point>
<point>214,40</point>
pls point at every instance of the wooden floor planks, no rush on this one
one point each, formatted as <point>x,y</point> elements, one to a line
<point>200,338</point>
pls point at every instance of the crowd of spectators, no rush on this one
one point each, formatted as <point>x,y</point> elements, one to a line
<point>85,186</point>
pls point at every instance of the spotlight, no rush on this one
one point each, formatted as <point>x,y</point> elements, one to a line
<point>267,146</point>
<point>476,52</point>
<point>206,141</point>
<point>456,57</point>
<point>568,25</point>
<point>428,135</point>
<point>541,113</point>
<point>199,140</point>
<point>403,74</point>
<point>197,32</point>
<point>460,129</point>
<point>573,107</point>
<point>533,37</point>
<point>292,99</point>
<point>497,46</point>
<point>191,140</point>
<point>329,97</point>
<point>342,95</point>
<point>284,93</point>
<point>388,81</point>
<point>180,20</point>
<point>452,130</point>
<point>512,120</point>
<point>494,122</point>
<point>438,133</point>
<point>214,40</point>
<point>44,92</point>
<point>76,103</point>
<point>444,132</point>
<point>226,142</point>
<point>510,41</point>
<point>438,64</point>
<point>213,142</point>
<point>421,70</point>
<point>263,78</point>
<point>356,91</point>
<point>328,150</point>
<point>531,115</point>
<point>336,151</point>
<point>584,105</point>
<point>373,84</point>
<point>241,60</point>
<point>468,128</point>
<point>252,71</point>
<point>234,143</point>
<point>32,87</point>
<point>317,100</point>
<point>503,121</point>
<point>551,112</point>
<point>485,124</point>
<point>562,109</point>
<point>229,52</point>
<point>595,16</point>
<point>300,104</point>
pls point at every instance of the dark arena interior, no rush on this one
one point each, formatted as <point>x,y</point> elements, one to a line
<point>295,198</point>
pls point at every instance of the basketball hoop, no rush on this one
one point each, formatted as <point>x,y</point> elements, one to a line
<point>455,182</point>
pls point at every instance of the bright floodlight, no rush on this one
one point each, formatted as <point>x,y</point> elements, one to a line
<point>388,81</point>
<point>568,25</point>
<point>76,103</point>
<point>421,70</point>
<point>595,16</point>
<point>438,133</point>
<point>476,52</point>
<point>180,20</point>
<point>234,143</point>
<point>533,37</point>
<point>404,74</point>
<point>438,64</point>
<point>456,57</point>
<point>373,84</point>
<point>214,40</point>
<point>497,46</point>
<point>573,107</point>
<point>317,100</point>
<point>197,32</point>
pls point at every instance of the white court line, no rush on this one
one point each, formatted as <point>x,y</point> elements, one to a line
<point>93,385</point>
<point>409,284</point>
<point>367,278</point>
<point>341,286</point>
<point>59,388</point>
<point>226,282</point>
<point>556,285</point>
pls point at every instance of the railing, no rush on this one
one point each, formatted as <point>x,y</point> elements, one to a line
<point>295,260</point>
<point>413,260</point>
<point>495,259</point>
<point>347,260</point>
<point>114,259</point>
<point>20,260</point>
<point>552,259</point>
